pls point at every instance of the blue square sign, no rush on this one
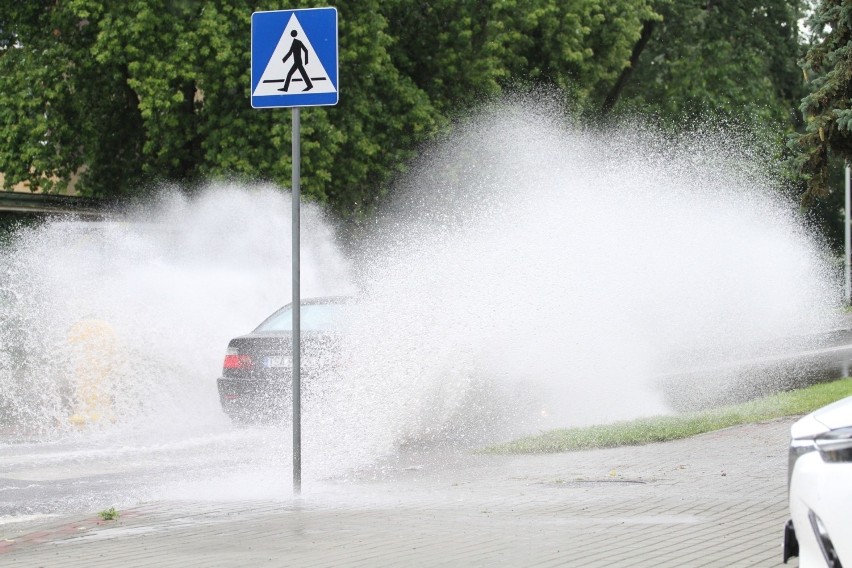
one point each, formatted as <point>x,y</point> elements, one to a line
<point>294,58</point>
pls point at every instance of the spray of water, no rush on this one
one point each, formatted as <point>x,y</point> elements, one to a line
<point>139,310</point>
<point>527,274</point>
<point>532,275</point>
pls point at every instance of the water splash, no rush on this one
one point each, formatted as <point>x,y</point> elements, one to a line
<point>532,275</point>
<point>141,308</point>
<point>528,274</point>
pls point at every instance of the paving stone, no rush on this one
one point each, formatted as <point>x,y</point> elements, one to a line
<point>666,505</point>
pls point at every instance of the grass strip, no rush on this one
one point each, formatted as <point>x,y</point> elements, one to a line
<point>664,428</point>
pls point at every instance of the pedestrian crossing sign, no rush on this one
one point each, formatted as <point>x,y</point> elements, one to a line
<point>294,58</point>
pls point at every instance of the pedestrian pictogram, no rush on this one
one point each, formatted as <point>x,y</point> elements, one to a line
<point>296,49</point>
<point>294,58</point>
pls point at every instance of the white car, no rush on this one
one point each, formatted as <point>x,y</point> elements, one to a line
<point>820,482</point>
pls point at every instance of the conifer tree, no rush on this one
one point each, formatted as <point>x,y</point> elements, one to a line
<point>827,108</point>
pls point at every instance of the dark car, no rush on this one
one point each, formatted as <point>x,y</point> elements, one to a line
<point>256,382</point>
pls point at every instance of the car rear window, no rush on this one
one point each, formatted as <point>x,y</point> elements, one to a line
<point>314,317</point>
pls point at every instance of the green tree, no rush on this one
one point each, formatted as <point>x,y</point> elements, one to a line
<point>827,107</point>
<point>732,60</point>
<point>53,97</point>
<point>124,93</point>
<point>459,51</point>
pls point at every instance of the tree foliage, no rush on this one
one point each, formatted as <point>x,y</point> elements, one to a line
<point>123,93</point>
<point>827,107</point>
<point>459,51</point>
<point>731,60</point>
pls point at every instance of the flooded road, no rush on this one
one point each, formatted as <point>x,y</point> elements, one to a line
<point>716,500</point>
<point>84,475</point>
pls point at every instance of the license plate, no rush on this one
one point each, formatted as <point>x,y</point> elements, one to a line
<point>274,361</point>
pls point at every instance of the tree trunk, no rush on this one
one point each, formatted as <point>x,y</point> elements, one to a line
<point>615,92</point>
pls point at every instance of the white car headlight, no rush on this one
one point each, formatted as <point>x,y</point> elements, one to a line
<point>835,446</point>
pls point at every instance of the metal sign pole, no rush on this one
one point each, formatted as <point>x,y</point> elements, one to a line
<point>846,250</point>
<point>299,46</point>
<point>297,368</point>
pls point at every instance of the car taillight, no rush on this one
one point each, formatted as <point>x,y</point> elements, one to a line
<point>235,360</point>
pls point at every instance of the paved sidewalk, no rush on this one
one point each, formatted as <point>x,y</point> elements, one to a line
<point>713,500</point>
